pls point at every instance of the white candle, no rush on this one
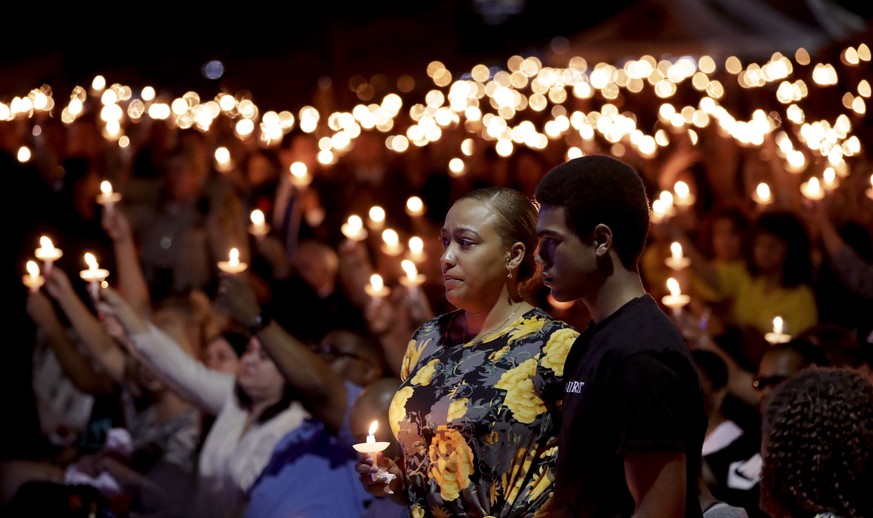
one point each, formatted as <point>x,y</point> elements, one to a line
<point>94,275</point>
<point>371,446</point>
<point>677,261</point>
<point>33,279</point>
<point>376,218</point>
<point>869,191</point>
<point>233,264</point>
<point>47,253</point>
<point>777,336</point>
<point>354,228</point>
<point>676,300</point>
<point>416,250</point>
<point>259,227</point>
<point>391,242</point>
<point>376,288</point>
<point>812,189</point>
<point>762,194</point>
<point>414,206</point>
<point>684,198</point>
<point>413,279</point>
<point>107,197</point>
<point>300,174</point>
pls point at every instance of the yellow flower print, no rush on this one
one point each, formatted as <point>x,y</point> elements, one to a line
<point>557,348</point>
<point>417,511</point>
<point>496,355</point>
<point>410,359</point>
<point>451,462</point>
<point>397,410</point>
<point>439,512</point>
<point>423,376</point>
<point>521,398</point>
<point>541,481</point>
<point>528,326</point>
<point>457,409</point>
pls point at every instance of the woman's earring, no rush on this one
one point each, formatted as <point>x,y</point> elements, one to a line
<point>509,275</point>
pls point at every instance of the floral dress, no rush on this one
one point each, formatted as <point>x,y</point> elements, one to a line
<point>477,422</point>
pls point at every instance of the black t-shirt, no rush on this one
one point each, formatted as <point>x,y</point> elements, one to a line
<point>630,386</point>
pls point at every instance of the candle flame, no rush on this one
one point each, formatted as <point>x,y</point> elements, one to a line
<point>377,214</point>
<point>416,244</point>
<point>410,269</point>
<point>673,286</point>
<point>33,269</point>
<point>233,257</point>
<point>414,205</point>
<point>373,426</point>
<point>763,191</point>
<point>676,250</point>
<point>376,282</point>
<point>390,237</point>
<point>91,261</point>
<point>355,223</point>
<point>258,217</point>
<point>682,190</point>
<point>46,243</point>
<point>106,187</point>
<point>777,325</point>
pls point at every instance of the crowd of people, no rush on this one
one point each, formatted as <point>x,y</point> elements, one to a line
<point>535,371</point>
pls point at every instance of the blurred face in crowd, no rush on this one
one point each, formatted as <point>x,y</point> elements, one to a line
<point>776,366</point>
<point>258,376</point>
<point>220,356</point>
<point>769,253</point>
<point>727,244</point>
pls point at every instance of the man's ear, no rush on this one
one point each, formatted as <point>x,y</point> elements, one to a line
<point>602,238</point>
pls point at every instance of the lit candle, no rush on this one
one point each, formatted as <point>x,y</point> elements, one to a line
<point>354,228</point>
<point>376,218</point>
<point>659,211</point>
<point>829,179</point>
<point>669,206</point>
<point>259,227</point>
<point>416,250</point>
<point>677,261</point>
<point>47,253</point>
<point>391,242</point>
<point>777,336</point>
<point>413,279</point>
<point>869,190</point>
<point>676,300</point>
<point>94,275</point>
<point>223,161</point>
<point>376,288</point>
<point>300,174</point>
<point>762,194</point>
<point>684,198</point>
<point>812,189</point>
<point>371,446</point>
<point>33,279</point>
<point>107,197</point>
<point>414,206</point>
<point>232,265</point>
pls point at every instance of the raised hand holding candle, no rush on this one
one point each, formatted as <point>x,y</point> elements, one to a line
<point>676,300</point>
<point>47,253</point>
<point>94,275</point>
<point>354,228</point>
<point>259,227</point>
<point>677,261</point>
<point>107,197</point>
<point>33,279</point>
<point>777,336</point>
<point>371,447</point>
<point>232,265</point>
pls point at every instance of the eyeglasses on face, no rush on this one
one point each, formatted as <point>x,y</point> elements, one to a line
<point>760,383</point>
<point>331,352</point>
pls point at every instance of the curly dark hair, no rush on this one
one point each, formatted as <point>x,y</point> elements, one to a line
<point>597,189</point>
<point>818,445</point>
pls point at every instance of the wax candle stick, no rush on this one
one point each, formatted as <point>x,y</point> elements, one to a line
<point>415,250</point>
<point>107,197</point>
<point>677,261</point>
<point>259,228</point>
<point>93,275</point>
<point>47,253</point>
<point>777,336</point>
<point>376,289</point>
<point>812,189</point>
<point>371,447</point>
<point>233,264</point>
<point>391,242</point>
<point>413,279</point>
<point>762,194</point>
<point>683,198</point>
<point>354,229</point>
<point>676,300</point>
<point>33,279</point>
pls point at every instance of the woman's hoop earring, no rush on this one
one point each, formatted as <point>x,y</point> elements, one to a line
<point>509,275</point>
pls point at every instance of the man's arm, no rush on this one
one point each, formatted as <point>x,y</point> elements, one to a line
<point>657,483</point>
